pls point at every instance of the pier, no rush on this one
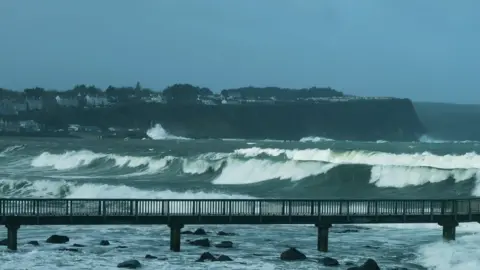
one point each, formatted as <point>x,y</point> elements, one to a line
<point>177,213</point>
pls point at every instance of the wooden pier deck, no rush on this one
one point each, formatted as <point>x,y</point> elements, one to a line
<point>177,213</point>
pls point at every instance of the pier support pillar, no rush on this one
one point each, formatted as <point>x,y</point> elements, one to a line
<point>175,230</point>
<point>449,230</point>
<point>12,235</point>
<point>322,237</point>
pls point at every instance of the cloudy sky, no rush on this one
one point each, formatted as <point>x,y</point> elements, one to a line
<point>426,50</point>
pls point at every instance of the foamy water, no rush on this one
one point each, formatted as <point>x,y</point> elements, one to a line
<point>161,171</point>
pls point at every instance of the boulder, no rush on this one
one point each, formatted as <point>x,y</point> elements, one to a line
<point>186,232</point>
<point>104,243</point>
<point>3,242</point>
<point>346,231</point>
<point>200,242</point>
<point>200,231</point>
<point>130,264</point>
<point>370,264</point>
<point>292,254</point>
<point>206,256</point>
<point>222,233</point>
<point>34,243</point>
<point>70,249</point>
<point>327,261</point>
<point>78,245</point>
<point>58,239</point>
<point>224,244</point>
<point>224,258</point>
<point>122,247</point>
<point>148,256</point>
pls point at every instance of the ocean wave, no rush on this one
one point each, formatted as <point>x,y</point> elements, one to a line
<point>253,165</point>
<point>76,190</point>
<point>157,132</point>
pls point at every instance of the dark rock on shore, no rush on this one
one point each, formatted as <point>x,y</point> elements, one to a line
<point>104,243</point>
<point>34,243</point>
<point>199,231</point>
<point>130,264</point>
<point>121,247</point>
<point>200,242</point>
<point>292,254</point>
<point>3,242</point>
<point>225,244</point>
<point>222,233</point>
<point>327,261</point>
<point>346,231</point>
<point>370,264</point>
<point>207,256</point>
<point>78,245</point>
<point>224,258</point>
<point>70,249</point>
<point>148,256</point>
<point>58,239</point>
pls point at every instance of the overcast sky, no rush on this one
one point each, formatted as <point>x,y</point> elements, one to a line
<point>424,50</point>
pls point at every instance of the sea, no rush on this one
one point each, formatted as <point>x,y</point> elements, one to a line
<point>164,166</point>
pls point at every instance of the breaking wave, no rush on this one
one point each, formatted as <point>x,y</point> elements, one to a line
<point>313,167</point>
<point>157,132</point>
<point>67,189</point>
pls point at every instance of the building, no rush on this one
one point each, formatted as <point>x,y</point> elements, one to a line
<point>67,102</point>
<point>97,101</point>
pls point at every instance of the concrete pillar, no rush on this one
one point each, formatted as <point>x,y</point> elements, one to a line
<point>322,237</point>
<point>448,230</point>
<point>12,231</point>
<point>175,230</point>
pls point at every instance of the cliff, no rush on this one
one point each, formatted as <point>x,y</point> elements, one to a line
<point>362,119</point>
<point>456,122</point>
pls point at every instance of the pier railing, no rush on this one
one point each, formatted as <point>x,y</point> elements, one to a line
<point>216,207</point>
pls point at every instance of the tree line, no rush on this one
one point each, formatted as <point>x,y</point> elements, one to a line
<point>177,93</point>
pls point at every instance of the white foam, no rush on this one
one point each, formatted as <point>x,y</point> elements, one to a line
<point>399,177</point>
<point>76,159</point>
<point>388,169</point>
<point>255,170</point>
<point>158,133</point>
<point>316,139</point>
<point>461,254</point>
<point>467,161</point>
<point>57,189</point>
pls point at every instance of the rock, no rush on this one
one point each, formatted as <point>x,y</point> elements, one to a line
<point>104,243</point>
<point>200,231</point>
<point>78,245</point>
<point>58,239</point>
<point>222,233</point>
<point>130,264</point>
<point>122,247</point>
<point>292,254</point>
<point>370,264</point>
<point>3,242</point>
<point>206,256</point>
<point>186,232</point>
<point>70,249</point>
<point>224,258</point>
<point>34,243</point>
<point>225,244</point>
<point>327,261</point>
<point>346,231</point>
<point>148,256</point>
<point>200,242</point>
<point>372,247</point>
